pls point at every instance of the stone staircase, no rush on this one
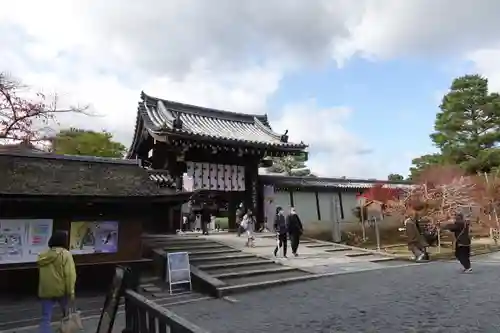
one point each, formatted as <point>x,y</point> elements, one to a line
<point>232,269</point>
<point>316,256</point>
<point>348,251</point>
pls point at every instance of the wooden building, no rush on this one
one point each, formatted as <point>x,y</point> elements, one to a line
<point>320,199</point>
<point>88,197</point>
<point>208,149</point>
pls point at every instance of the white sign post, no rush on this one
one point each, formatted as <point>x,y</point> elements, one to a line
<point>178,269</point>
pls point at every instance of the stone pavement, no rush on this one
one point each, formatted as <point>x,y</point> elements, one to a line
<point>89,325</point>
<point>428,298</point>
<point>433,297</point>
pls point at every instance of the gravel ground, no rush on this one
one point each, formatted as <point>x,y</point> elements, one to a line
<point>426,298</point>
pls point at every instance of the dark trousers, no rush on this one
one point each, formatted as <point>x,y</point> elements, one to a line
<point>282,244</point>
<point>295,241</point>
<point>462,253</point>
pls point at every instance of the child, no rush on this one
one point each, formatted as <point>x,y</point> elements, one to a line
<point>247,224</point>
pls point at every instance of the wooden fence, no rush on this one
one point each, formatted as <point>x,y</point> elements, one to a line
<point>145,316</point>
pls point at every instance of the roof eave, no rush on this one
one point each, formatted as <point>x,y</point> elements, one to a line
<point>165,134</point>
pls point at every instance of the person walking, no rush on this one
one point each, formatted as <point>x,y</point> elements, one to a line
<point>295,230</point>
<point>247,225</point>
<point>414,238</point>
<point>205,221</point>
<point>240,213</point>
<point>461,231</point>
<point>57,278</point>
<point>281,228</point>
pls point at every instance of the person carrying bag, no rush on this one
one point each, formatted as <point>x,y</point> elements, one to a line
<point>71,323</point>
<point>56,285</point>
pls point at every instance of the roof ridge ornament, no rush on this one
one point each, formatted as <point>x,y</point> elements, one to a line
<point>284,137</point>
<point>177,122</point>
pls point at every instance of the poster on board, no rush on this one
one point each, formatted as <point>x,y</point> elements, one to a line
<point>21,240</point>
<point>93,237</point>
<point>178,269</point>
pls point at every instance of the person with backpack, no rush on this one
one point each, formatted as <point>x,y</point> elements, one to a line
<point>461,231</point>
<point>57,278</point>
<point>414,237</point>
<point>281,229</point>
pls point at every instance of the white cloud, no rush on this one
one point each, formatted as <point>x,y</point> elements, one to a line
<point>334,151</point>
<point>232,55</point>
<point>422,28</point>
<point>487,62</point>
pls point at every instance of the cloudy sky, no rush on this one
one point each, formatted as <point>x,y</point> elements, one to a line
<point>360,81</point>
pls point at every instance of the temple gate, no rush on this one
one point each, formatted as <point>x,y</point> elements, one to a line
<point>197,148</point>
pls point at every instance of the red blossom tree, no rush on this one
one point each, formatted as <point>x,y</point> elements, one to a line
<point>438,194</point>
<point>26,119</point>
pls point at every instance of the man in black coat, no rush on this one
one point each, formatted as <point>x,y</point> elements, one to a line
<point>295,230</point>
<point>460,229</point>
<point>281,228</point>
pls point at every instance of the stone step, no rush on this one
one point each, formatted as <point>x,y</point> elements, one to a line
<point>227,260</point>
<point>247,285</point>
<point>359,254</point>
<point>253,272</point>
<point>221,258</point>
<point>164,298</point>
<point>338,249</point>
<point>181,244</point>
<point>263,277</point>
<point>178,240</point>
<point>196,246</point>
<point>238,266</point>
<point>194,298</point>
<point>382,259</point>
<point>214,254</point>
<point>316,245</point>
<point>235,264</point>
<point>204,252</point>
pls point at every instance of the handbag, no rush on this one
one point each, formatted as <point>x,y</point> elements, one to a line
<point>71,323</point>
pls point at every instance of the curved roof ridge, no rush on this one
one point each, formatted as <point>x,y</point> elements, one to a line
<point>206,111</point>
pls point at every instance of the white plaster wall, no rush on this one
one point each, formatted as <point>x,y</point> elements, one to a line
<point>282,199</point>
<point>349,202</point>
<point>305,203</point>
<point>325,205</point>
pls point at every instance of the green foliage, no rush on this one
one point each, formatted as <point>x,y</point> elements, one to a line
<point>76,141</point>
<point>423,162</point>
<point>395,177</point>
<point>467,128</point>
<point>291,166</point>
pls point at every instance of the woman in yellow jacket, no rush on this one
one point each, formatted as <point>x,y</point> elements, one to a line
<point>57,277</point>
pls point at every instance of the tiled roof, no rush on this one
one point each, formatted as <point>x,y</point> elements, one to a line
<point>316,182</point>
<point>159,116</point>
<point>162,178</point>
<point>61,175</point>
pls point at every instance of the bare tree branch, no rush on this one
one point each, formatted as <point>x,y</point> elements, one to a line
<point>19,115</point>
<point>439,195</point>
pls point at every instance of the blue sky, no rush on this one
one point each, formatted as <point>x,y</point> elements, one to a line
<point>278,57</point>
<point>394,102</point>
